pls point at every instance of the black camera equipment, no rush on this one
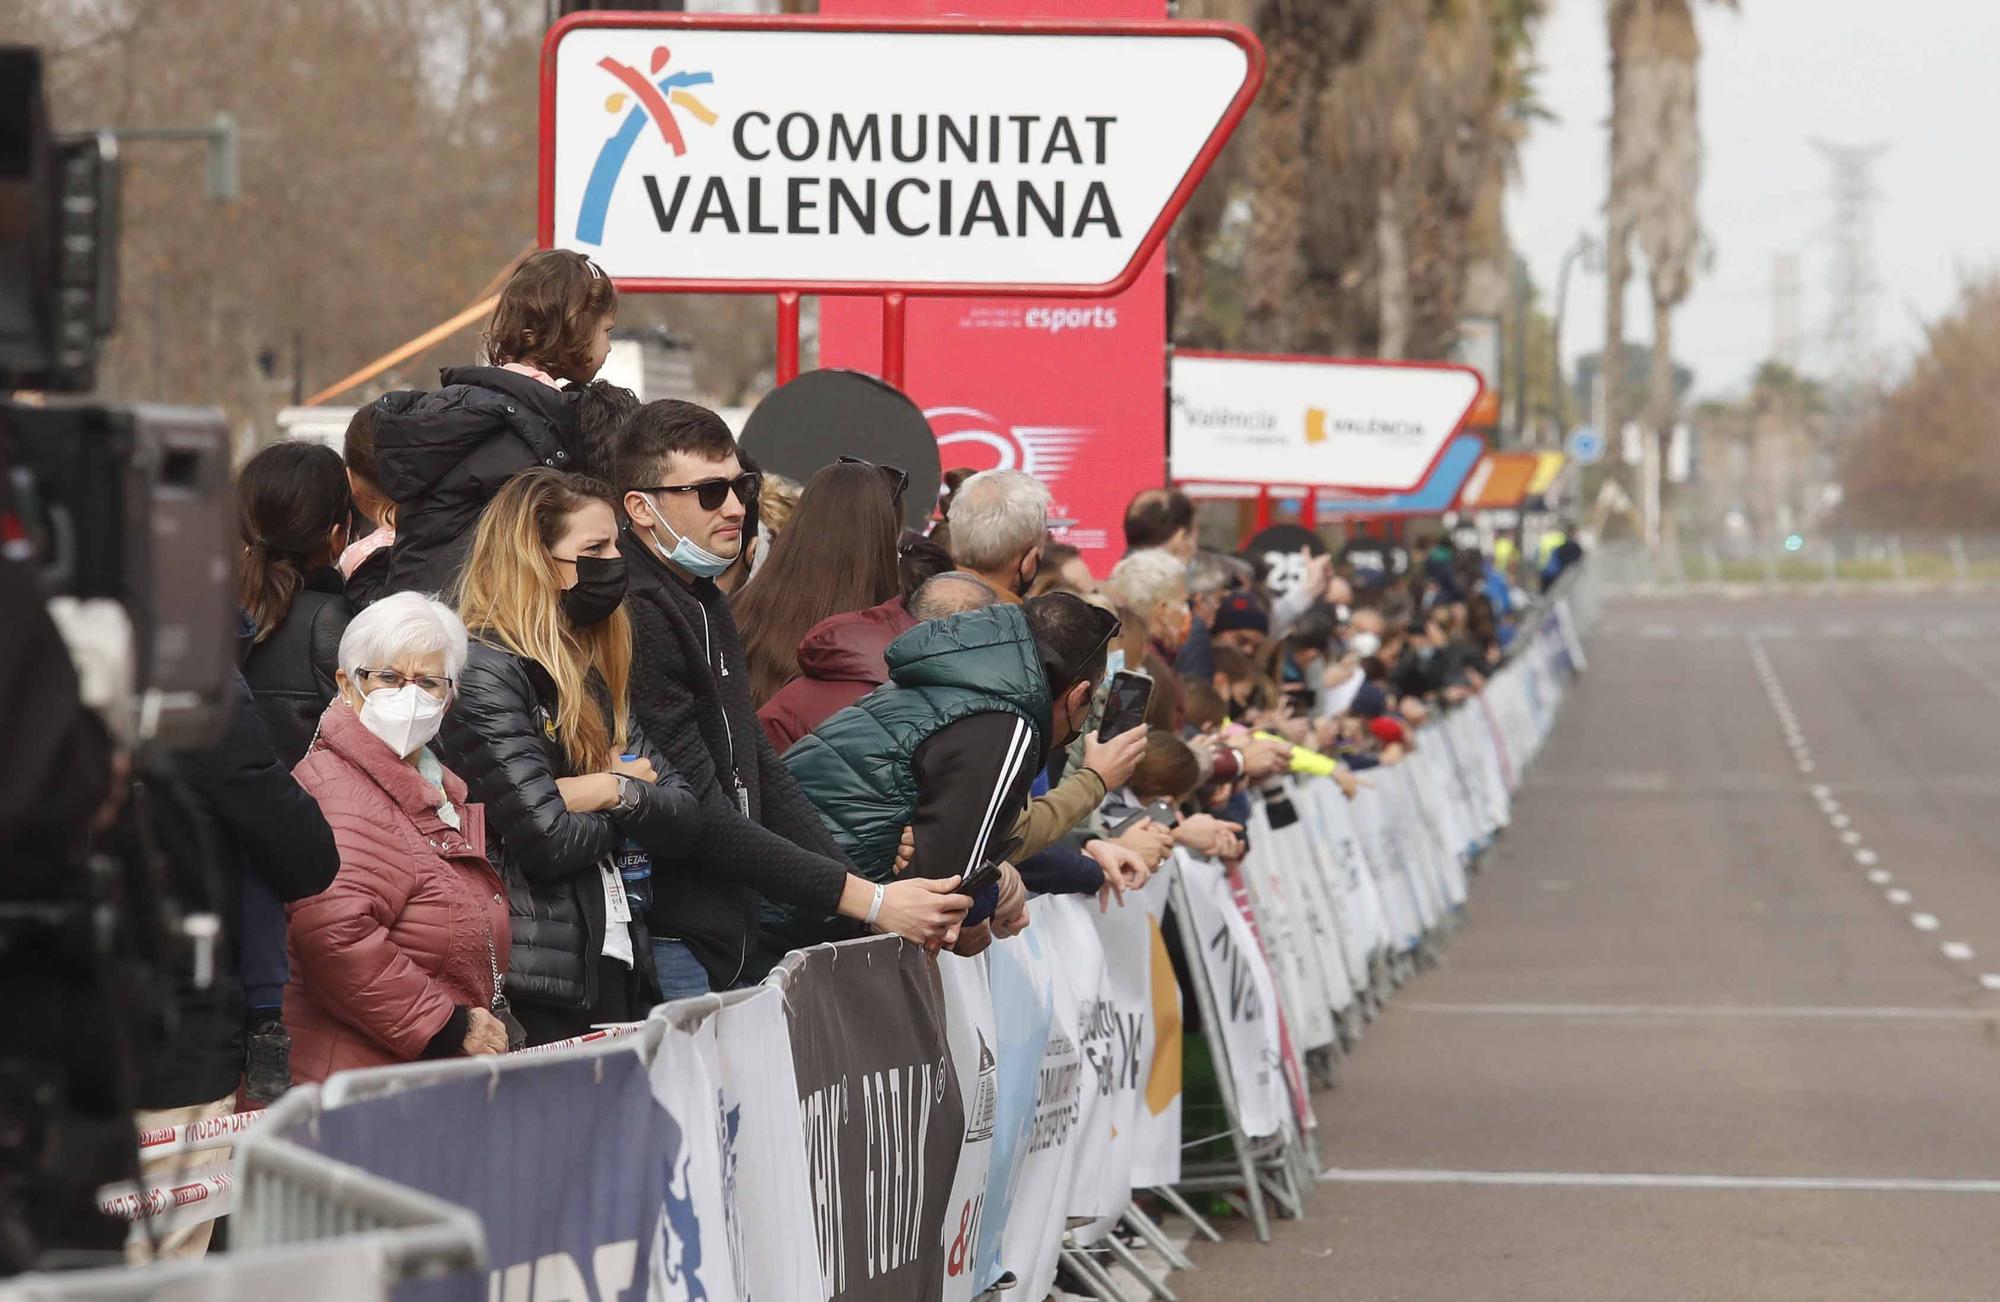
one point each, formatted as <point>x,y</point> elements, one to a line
<point>122,513</point>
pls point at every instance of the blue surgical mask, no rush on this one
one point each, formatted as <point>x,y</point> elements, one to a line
<point>687,554</point>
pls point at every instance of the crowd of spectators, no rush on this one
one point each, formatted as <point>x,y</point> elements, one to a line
<point>553,706</point>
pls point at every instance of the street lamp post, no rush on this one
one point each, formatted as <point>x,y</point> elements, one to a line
<point>1588,249</point>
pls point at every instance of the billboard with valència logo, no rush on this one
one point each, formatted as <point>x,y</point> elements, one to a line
<point>1319,422</point>
<point>831,155</point>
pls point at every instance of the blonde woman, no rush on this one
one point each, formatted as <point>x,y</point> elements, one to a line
<point>542,735</point>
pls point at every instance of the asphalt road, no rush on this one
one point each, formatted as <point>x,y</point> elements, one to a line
<point>1725,1018</point>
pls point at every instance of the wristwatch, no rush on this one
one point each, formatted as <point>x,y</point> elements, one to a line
<point>629,795</point>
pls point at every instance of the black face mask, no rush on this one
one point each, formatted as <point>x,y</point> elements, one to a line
<point>600,586</point>
<point>1022,582</point>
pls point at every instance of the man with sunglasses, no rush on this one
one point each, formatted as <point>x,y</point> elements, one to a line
<point>686,500</point>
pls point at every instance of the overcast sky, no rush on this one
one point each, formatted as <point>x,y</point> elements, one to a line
<point>1919,75</point>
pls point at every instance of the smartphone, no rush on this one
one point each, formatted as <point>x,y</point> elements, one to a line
<point>1125,708</point>
<point>985,875</point>
<point>1163,813</point>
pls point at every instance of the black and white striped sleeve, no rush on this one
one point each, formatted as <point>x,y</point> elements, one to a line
<point>973,778</point>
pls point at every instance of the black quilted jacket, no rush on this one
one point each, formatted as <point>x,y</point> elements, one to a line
<point>444,455</point>
<point>500,737</point>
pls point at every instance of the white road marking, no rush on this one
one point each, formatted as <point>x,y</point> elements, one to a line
<point>1925,921</point>
<point>1866,857</point>
<point>1659,630</point>
<point>1840,821</point>
<point>1806,766</point>
<point>1649,1180</point>
<point>1801,1012</point>
<point>1897,896</point>
<point>1990,980</point>
<point>1881,877</point>
<point>1956,950</point>
<point>1821,791</point>
<point>1850,838</point>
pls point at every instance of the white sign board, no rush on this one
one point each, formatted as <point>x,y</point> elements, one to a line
<point>1316,422</point>
<point>719,152</point>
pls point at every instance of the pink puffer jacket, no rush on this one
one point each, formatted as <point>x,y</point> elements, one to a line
<point>382,957</point>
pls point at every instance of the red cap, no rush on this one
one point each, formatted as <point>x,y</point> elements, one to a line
<point>1388,731</point>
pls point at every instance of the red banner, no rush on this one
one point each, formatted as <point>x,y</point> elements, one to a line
<point>1073,391</point>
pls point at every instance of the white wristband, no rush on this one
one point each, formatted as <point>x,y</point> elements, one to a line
<point>875,908</point>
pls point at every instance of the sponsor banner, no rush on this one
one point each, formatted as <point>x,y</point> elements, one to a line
<point>1401,906</point>
<point>1364,928</point>
<point>1245,997</point>
<point>1318,422</point>
<point>1039,1210</point>
<point>611,1167</point>
<point>730,153</point>
<point>735,1062</point>
<point>1280,925</point>
<point>968,1022</point>
<point>1099,1187</point>
<point>1023,1015</point>
<point>1092,426</point>
<point>880,1108</point>
<point>1147,999</point>
<point>697,1249</point>
<point>1296,861</point>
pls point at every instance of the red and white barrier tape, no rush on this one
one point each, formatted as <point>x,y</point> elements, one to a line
<point>215,1132</point>
<point>188,1202</point>
<point>611,1032</point>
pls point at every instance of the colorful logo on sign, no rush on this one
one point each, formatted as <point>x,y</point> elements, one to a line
<point>651,101</point>
<point>1315,426</point>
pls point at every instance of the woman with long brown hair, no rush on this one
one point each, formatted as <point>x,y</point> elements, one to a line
<point>543,737</point>
<point>837,555</point>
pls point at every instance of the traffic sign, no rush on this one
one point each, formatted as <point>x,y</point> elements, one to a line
<point>935,156</point>
<point>1586,446</point>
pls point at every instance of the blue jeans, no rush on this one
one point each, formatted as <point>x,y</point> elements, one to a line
<point>681,973</point>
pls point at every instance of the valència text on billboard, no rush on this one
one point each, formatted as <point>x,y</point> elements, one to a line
<point>1324,422</point>
<point>811,156</point>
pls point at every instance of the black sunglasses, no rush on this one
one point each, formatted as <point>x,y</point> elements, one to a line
<point>899,479</point>
<point>708,494</point>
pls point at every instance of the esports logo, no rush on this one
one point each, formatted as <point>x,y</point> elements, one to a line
<point>651,101</point>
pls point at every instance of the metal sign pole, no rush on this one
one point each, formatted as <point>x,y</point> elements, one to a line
<point>788,336</point>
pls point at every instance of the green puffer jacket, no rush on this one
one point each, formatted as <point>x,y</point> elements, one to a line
<point>856,766</point>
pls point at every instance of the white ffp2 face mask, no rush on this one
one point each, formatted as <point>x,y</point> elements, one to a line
<point>1364,644</point>
<point>405,718</point>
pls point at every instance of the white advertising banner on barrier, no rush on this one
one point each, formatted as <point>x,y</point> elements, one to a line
<point>701,1239</point>
<point>1246,997</point>
<point>1023,1015</point>
<point>1147,995</point>
<point>813,155</point>
<point>969,1031</point>
<point>1038,1210</point>
<point>1321,422</point>
<point>746,1051</point>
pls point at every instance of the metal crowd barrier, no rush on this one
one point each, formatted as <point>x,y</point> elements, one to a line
<point>304,1227</point>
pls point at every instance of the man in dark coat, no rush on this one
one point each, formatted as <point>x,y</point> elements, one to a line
<point>690,691</point>
<point>443,455</point>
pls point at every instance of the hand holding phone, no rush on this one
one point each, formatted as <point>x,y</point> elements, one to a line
<point>1125,708</point>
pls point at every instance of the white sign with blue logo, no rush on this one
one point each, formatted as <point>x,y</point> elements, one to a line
<point>807,155</point>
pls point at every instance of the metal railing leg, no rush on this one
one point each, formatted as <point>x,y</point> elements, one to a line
<point>1156,1235</point>
<point>1130,1261</point>
<point>1172,1198</point>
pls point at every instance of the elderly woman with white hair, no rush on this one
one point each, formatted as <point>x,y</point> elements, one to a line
<point>401,957</point>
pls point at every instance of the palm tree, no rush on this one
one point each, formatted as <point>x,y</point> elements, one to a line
<point>1655,173</point>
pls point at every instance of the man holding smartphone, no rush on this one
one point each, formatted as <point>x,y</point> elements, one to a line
<point>951,746</point>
